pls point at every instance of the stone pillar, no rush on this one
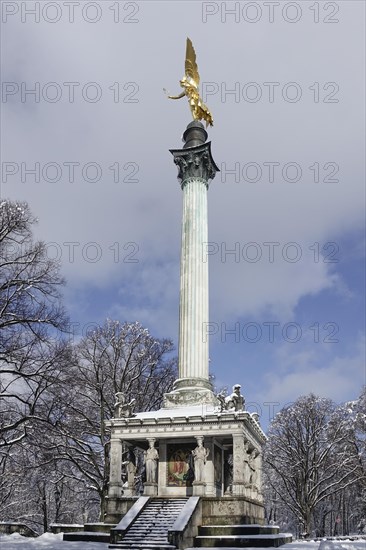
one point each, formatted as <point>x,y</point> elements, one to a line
<point>210,468</point>
<point>238,486</point>
<point>115,475</point>
<point>218,473</point>
<point>258,466</point>
<point>196,168</point>
<point>162,471</point>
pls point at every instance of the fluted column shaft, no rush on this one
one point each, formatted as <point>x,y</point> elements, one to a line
<point>193,350</point>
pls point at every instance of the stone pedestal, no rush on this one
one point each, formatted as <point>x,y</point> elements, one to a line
<point>129,491</point>
<point>199,488</point>
<point>150,489</point>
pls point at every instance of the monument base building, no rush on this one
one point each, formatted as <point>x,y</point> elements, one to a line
<point>230,475</point>
<point>202,453</point>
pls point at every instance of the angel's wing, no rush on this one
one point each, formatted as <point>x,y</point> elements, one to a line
<point>191,65</point>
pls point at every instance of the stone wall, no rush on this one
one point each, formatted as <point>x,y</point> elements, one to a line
<point>7,528</point>
<point>231,511</point>
<point>117,508</point>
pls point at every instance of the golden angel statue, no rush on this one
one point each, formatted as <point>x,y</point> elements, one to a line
<point>190,83</point>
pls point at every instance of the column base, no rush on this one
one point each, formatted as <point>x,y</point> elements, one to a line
<point>192,384</point>
<point>114,489</point>
<point>199,488</point>
<point>129,491</point>
<point>190,391</point>
<point>150,489</point>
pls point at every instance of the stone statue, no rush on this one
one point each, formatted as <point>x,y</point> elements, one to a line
<point>200,455</point>
<point>252,467</point>
<point>190,83</point>
<point>122,409</point>
<point>131,471</point>
<point>233,402</point>
<point>228,474</point>
<point>221,399</point>
<point>247,469</point>
<point>151,457</point>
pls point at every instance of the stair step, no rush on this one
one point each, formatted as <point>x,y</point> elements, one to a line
<point>243,541</point>
<point>252,529</point>
<point>86,536</point>
<point>99,527</point>
<point>143,546</point>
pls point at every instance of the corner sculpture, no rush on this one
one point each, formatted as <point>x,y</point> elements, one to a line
<point>122,409</point>
<point>233,402</point>
<point>190,83</point>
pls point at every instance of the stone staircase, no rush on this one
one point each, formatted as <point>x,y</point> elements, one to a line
<point>149,531</point>
<point>240,536</point>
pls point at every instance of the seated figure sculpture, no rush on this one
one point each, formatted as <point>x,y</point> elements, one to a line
<point>122,409</point>
<point>233,402</point>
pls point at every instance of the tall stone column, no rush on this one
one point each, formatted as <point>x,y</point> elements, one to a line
<point>115,476</point>
<point>196,168</point>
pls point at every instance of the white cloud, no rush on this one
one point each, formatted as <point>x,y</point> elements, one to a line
<point>313,370</point>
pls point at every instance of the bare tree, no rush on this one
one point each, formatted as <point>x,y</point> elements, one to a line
<point>40,487</point>
<point>32,352</point>
<point>114,358</point>
<point>31,315</point>
<point>357,429</point>
<point>57,394</point>
<point>309,457</point>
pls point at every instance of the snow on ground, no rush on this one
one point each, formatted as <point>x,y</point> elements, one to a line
<point>49,541</point>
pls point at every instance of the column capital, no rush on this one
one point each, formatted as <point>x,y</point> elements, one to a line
<point>195,163</point>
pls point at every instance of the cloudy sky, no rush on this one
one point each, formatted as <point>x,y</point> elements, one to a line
<point>86,133</point>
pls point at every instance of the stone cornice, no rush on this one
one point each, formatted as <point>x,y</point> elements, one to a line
<point>213,424</point>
